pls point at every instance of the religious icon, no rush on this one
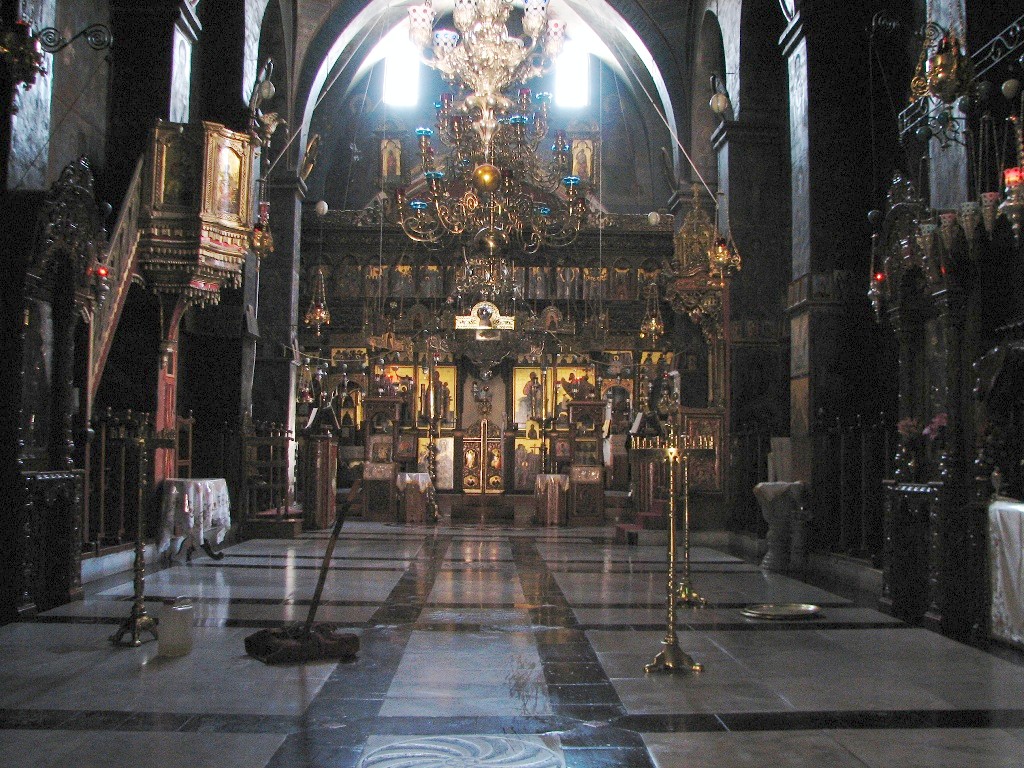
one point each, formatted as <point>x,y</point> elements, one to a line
<point>179,173</point>
<point>391,159</point>
<point>181,79</point>
<point>430,281</point>
<point>620,283</point>
<point>534,395</point>
<point>583,159</point>
<point>401,281</point>
<point>595,282</point>
<point>229,167</point>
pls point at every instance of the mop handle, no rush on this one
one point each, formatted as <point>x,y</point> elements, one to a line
<point>338,522</point>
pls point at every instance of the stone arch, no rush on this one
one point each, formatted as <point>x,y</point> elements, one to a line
<point>709,61</point>
<point>348,34</point>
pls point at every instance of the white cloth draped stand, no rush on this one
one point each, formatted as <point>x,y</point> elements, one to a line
<point>420,479</point>
<point>550,493</point>
<point>195,512</point>
<point>1006,566</point>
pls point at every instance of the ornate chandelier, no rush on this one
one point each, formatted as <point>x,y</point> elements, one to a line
<point>489,182</point>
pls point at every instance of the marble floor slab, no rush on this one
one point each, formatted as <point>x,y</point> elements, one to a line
<point>707,618</point>
<point>269,583</point>
<point>60,666</point>
<point>477,587</point>
<point>221,612</point>
<point>739,588</point>
<point>478,674</point>
<point>102,749</point>
<point>859,748</point>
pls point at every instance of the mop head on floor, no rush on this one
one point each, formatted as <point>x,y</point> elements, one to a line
<point>294,645</point>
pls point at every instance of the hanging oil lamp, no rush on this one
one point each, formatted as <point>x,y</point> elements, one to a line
<point>318,313</point>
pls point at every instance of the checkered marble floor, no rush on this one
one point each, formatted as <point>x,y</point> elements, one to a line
<point>490,646</point>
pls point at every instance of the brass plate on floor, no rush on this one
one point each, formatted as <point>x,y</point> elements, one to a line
<point>781,611</point>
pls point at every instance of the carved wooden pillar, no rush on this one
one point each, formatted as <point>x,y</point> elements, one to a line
<point>172,308</point>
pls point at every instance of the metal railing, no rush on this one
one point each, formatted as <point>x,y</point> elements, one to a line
<point>119,476</point>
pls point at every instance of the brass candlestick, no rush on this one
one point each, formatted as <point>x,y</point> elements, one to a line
<point>138,620</point>
<point>432,419</point>
<point>686,594</point>
<point>673,449</point>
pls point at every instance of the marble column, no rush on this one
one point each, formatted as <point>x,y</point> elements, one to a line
<point>27,132</point>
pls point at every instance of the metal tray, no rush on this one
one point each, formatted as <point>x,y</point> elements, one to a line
<point>781,611</point>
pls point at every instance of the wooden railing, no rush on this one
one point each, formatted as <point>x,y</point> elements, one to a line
<point>265,456</point>
<point>118,478</point>
<point>121,268</point>
<point>851,459</point>
<point>749,466</point>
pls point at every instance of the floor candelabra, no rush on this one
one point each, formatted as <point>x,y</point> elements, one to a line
<point>138,621</point>
<point>676,449</point>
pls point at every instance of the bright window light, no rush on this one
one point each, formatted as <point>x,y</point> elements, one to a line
<point>401,75</point>
<point>572,77</point>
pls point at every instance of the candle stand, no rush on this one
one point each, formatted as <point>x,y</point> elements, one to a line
<point>138,621</point>
<point>676,449</point>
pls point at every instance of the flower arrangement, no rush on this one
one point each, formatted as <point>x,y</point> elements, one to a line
<point>909,428</point>
<point>936,426</point>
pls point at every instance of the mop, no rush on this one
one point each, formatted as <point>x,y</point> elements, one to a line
<point>309,641</point>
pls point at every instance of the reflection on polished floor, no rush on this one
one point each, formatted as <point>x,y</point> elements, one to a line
<point>493,646</point>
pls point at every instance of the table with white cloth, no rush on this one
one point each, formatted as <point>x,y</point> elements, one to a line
<point>413,490</point>
<point>550,493</point>
<point>782,509</point>
<point>1006,566</point>
<point>193,513</point>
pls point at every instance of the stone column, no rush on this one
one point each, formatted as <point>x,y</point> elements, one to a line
<point>25,131</point>
<point>753,175</point>
<point>274,382</point>
<point>831,192</point>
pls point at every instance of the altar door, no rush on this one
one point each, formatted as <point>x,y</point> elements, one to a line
<point>483,460</point>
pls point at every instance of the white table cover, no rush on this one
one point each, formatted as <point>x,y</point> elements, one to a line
<point>194,511</point>
<point>1006,564</point>
<point>420,479</point>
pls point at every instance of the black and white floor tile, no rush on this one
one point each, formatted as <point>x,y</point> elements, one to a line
<point>521,648</point>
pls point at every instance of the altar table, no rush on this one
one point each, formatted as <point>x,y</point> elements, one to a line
<point>413,488</point>
<point>550,494</point>
<point>193,512</point>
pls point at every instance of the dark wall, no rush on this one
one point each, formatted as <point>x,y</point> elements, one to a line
<point>129,379</point>
<point>81,79</point>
